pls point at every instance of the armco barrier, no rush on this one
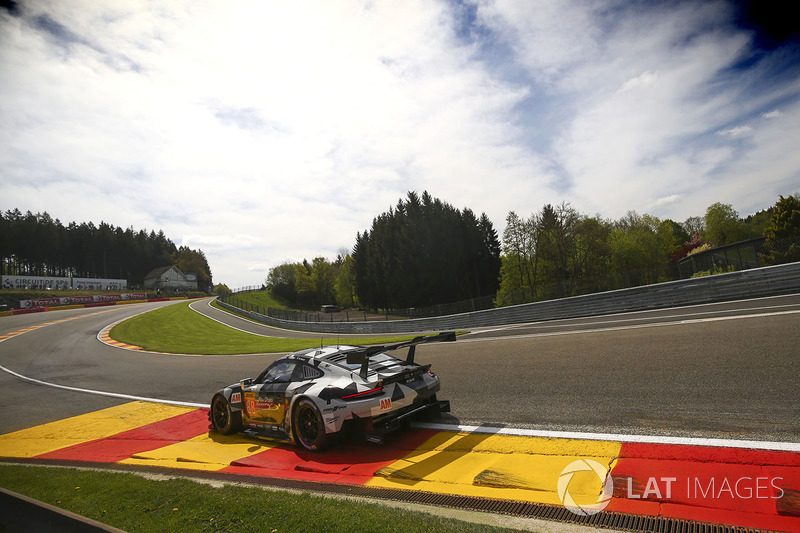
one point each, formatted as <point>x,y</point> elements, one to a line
<point>758,282</point>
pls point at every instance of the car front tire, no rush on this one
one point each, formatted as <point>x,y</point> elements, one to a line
<point>308,426</point>
<point>223,419</point>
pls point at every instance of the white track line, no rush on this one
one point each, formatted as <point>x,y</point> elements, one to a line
<point>101,393</point>
<point>632,326</point>
<point>208,302</point>
<point>645,311</point>
<point>652,439</point>
<point>262,324</point>
<point>143,351</point>
<point>562,322</point>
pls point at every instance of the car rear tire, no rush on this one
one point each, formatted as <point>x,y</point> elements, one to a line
<point>223,419</point>
<point>308,426</point>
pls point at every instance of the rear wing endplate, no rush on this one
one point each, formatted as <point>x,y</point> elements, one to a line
<point>362,354</point>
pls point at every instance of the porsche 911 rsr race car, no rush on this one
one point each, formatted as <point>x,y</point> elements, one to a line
<point>309,397</point>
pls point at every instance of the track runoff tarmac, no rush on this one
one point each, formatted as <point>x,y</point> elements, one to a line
<point>740,481</point>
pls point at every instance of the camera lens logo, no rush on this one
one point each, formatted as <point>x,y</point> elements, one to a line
<point>591,508</point>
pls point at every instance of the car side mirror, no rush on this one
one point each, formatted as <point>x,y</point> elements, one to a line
<point>247,381</point>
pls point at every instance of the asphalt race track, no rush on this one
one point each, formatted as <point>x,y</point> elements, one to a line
<point>723,370</point>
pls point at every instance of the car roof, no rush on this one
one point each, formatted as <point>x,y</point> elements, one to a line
<point>323,352</point>
<point>337,357</point>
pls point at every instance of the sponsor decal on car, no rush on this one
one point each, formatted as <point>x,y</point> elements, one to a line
<point>267,405</point>
<point>250,403</point>
<point>386,404</point>
<point>236,397</point>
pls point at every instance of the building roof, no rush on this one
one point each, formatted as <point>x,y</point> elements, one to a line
<point>157,272</point>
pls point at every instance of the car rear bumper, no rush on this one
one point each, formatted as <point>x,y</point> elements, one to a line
<point>390,422</point>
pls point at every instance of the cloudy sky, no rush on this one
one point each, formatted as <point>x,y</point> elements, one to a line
<point>263,131</point>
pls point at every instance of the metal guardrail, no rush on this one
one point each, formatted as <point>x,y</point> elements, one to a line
<point>757,282</point>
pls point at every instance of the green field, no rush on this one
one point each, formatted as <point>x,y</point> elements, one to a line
<point>263,299</point>
<point>133,503</point>
<point>178,329</point>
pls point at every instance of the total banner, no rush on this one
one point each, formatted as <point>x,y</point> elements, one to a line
<point>71,300</point>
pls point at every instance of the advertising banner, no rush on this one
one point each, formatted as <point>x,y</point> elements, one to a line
<point>71,300</point>
<point>36,282</point>
<point>54,283</point>
<point>96,284</point>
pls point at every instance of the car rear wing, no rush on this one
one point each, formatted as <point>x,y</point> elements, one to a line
<point>362,354</point>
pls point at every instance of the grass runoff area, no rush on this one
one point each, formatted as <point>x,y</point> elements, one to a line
<point>133,503</point>
<point>178,329</point>
<point>262,299</point>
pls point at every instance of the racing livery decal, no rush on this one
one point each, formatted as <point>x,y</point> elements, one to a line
<point>369,391</point>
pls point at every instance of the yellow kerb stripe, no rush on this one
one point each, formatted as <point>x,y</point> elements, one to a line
<point>209,451</point>
<point>84,428</point>
<point>498,466</point>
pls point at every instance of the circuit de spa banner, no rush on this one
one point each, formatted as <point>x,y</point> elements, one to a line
<point>61,283</point>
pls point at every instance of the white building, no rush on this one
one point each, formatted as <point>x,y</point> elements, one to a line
<point>169,277</point>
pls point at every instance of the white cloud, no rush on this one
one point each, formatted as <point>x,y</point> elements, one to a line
<point>264,132</point>
<point>735,132</point>
<point>645,79</point>
<point>667,200</point>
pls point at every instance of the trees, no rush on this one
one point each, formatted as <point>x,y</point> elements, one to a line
<point>38,245</point>
<point>423,252</point>
<point>221,290</point>
<point>281,281</point>
<point>783,232</point>
<point>309,285</point>
<point>640,247</point>
<point>516,269</point>
<point>345,284</point>
<point>723,225</point>
<point>556,252</point>
<point>560,252</point>
<point>188,260</point>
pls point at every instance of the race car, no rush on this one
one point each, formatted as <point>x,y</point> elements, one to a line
<point>309,397</point>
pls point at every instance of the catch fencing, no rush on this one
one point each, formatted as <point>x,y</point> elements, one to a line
<point>757,282</point>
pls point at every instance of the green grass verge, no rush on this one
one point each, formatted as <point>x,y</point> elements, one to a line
<point>133,503</point>
<point>262,299</point>
<point>178,329</point>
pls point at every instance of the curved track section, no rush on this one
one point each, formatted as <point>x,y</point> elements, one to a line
<point>636,382</point>
<point>725,371</point>
<point>237,322</point>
